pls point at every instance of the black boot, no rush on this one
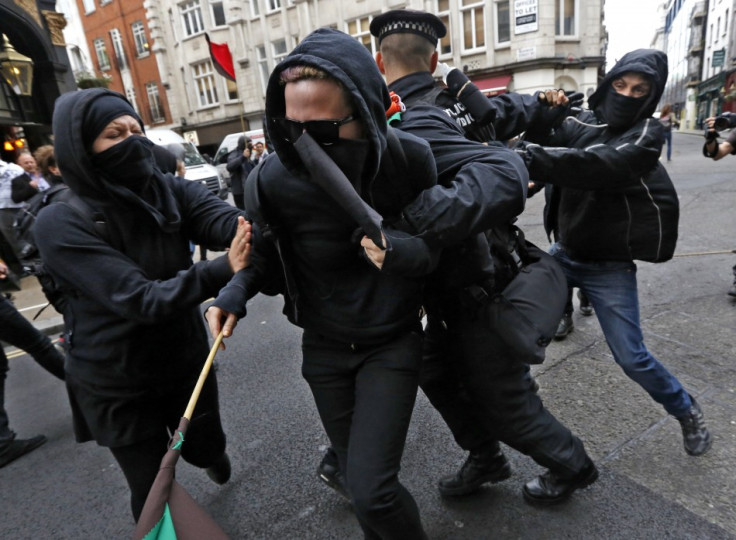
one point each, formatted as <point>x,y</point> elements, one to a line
<point>565,327</point>
<point>585,308</point>
<point>695,434</point>
<point>220,471</point>
<point>19,447</point>
<point>732,290</point>
<point>550,489</point>
<point>329,472</point>
<point>483,465</point>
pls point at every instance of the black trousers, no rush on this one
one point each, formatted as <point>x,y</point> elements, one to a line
<point>16,330</point>
<point>365,396</point>
<point>441,382</point>
<point>204,442</point>
<point>507,407</point>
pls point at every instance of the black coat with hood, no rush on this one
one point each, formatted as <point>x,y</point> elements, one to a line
<point>133,317</point>
<point>611,199</point>
<point>334,290</point>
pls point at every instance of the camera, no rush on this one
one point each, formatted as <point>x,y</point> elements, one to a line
<point>726,120</point>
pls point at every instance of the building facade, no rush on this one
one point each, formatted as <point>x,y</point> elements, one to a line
<point>717,92</point>
<point>120,45</point>
<point>503,45</point>
<point>76,42</point>
<point>34,71</point>
<point>684,44</point>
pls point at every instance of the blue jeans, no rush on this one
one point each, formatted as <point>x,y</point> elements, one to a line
<point>611,288</point>
<point>668,139</point>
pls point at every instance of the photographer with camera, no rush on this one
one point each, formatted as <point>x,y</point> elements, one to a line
<point>239,166</point>
<point>715,150</point>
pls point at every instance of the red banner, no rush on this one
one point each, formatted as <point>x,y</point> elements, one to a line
<point>221,58</point>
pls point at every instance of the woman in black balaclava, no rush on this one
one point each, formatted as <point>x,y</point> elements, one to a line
<point>135,335</point>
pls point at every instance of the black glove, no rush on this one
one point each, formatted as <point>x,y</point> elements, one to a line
<point>710,135</point>
<point>576,98</point>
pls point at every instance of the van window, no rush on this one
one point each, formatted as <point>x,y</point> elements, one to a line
<point>221,155</point>
<point>188,153</point>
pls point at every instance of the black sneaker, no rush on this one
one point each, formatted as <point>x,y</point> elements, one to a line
<point>329,472</point>
<point>585,308</point>
<point>565,327</point>
<point>220,471</point>
<point>695,434</point>
<point>481,467</point>
<point>19,447</point>
<point>549,488</point>
<point>732,290</point>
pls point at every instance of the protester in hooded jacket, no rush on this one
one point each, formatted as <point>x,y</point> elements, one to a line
<point>239,166</point>
<point>362,339</point>
<point>612,202</point>
<point>136,339</point>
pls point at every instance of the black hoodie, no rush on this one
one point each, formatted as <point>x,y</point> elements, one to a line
<point>134,317</point>
<point>336,292</point>
<point>611,198</point>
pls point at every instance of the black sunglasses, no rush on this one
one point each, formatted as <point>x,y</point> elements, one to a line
<point>322,131</point>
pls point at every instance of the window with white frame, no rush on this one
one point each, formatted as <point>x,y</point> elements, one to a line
<point>218,14</point>
<point>473,24</point>
<point>130,95</point>
<point>280,50</point>
<point>443,13</point>
<point>503,22</point>
<point>103,61</point>
<point>204,82</point>
<point>231,90</point>
<point>117,46</point>
<point>154,102</point>
<point>254,8</point>
<point>88,5</point>
<point>360,30</point>
<point>273,5</point>
<point>191,17</point>
<point>262,65</point>
<point>566,18</point>
<point>139,37</point>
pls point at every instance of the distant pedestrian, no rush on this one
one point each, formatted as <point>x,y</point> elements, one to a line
<point>239,165</point>
<point>668,121</point>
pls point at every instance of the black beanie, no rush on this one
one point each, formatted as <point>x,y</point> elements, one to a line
<point>101,112</point>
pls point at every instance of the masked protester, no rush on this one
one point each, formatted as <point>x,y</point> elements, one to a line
<point>136,339</point>
<point>239,166</point>
<point>612,202</point>
<point>362,343</point>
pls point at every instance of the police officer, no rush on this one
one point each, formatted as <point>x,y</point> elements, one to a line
<point>461,355</point>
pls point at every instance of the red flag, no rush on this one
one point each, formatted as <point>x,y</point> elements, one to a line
<point>221,58</point>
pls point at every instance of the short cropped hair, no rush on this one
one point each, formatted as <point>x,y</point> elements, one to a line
<point>408,51</point>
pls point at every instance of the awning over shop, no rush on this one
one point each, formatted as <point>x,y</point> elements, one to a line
<point>493,85</point>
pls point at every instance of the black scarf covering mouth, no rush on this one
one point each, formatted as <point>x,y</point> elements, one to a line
<point>620,111</point>
<point>151,194</point>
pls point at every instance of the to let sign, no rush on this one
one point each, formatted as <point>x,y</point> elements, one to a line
<point>526,16</point>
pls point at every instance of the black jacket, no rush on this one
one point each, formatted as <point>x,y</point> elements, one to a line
<point>134,315</point>
<point>612,199</point>
<point>331,288</point>
<point>239,168</point>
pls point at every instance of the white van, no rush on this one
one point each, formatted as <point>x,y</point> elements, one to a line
<point>198,170</point>
<point>229,143</point>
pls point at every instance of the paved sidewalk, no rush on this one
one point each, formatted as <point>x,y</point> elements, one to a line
<point>30,301</point>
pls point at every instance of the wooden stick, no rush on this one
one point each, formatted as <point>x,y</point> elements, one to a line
<point>202,377</point>
<point>699,253</point>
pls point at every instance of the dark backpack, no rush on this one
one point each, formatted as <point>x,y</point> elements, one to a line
<point>24,224</point>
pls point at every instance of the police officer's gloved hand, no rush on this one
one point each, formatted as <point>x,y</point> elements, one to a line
<point>443,69</point>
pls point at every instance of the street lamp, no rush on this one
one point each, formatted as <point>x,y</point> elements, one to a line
<point>16,69</point>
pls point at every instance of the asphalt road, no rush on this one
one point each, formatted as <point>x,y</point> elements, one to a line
<point>648,489</point>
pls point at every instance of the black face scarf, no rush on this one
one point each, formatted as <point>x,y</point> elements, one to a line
<point>349,155</point>
<point>128,163</point>
<point>619,111</point>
